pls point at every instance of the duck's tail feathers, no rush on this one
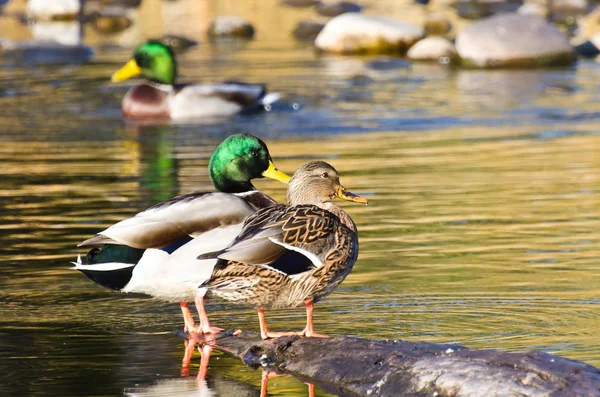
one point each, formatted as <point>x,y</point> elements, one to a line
<point>113,275</point>
<point>211,255</point>
<point>98,239</point>
<point>270,98</point>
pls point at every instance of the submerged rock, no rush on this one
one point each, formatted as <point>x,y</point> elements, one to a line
<point>534,8</point>
<point>307,30</point>
<point>433,49</point>
<point>52,10</point>
<point>364,34</point>
<point>513,40</point>
<point>333,9</point>
<point>44,52</point>
<point>437,25</point>
<point>476,9</point>
<point>387,63</point>
<point>566,11</point>
<point>111,20</point>
<point>178,43</point>
<point>299,3</point>
<point>230,26</point>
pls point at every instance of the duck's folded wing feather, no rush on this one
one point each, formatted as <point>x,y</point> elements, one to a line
<point>169,221</point>
<point>288,239</point>
<point>240,93</point>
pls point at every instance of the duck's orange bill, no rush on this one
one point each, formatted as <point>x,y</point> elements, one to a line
<point>346,195</point>
<point>128,71</point>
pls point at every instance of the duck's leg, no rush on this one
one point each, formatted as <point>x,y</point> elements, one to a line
<point>204,360</point>
<point>187,357</point>
<point>205,327</point>
<point>187,318</point>
<point>309,330</point>
<point>311,390</point>
<point>264,332</point>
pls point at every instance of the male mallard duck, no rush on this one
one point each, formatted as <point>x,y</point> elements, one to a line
<point>154,252</point>
<point>161,98</point>
<point>289,255</point>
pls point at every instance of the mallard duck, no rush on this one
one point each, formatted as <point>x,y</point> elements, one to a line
<point>290,255</point>
<point>154,252</point>
<point>160,97</point>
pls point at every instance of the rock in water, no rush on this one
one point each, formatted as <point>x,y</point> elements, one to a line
<point>333,9</point>
<point>51,10</point>
<point>534,8</point>
<point>437,25</point>
<point>178,43</point>
<point>111,20</point>
<point>589,48</point>
<point>299,3</point>
<point>476,9</point>
<point>513,40</point>
<point>44,53</point>
<point>433,49</point>
<point>307,30</point>
<point>230,26</point>
<point>365,34</point>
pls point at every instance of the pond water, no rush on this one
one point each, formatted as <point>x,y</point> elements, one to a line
<point>483,223</point>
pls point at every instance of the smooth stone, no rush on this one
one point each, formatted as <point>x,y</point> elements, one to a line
<point>178,43</point>
<point>566,11</point>
<point>111,20</point>
<point>52,10</point>
<point>533,8</point>
<point>477,9</point>
<point>230,26</point>
<point>433,49</point>
<point>365,34</point>
<point>299,3</point>
<point>437,25</point>
<point>307,30</point>
<point>333,9</point>
<point>513,40</point>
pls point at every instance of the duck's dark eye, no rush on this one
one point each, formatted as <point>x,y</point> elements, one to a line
<point>254,153</point>
<point>324,175</point>
<point>142,59</point>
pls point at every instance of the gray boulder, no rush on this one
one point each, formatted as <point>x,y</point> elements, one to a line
<point>513,40</point>
<point>365,34</point>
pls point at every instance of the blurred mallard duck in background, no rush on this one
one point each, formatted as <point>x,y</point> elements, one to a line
<point>289,255</point>
<point>160,97</point>
<point>155,251</point>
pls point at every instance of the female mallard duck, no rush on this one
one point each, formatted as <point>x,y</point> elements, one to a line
<point>286,256</point>
<point>161,98</point>
<point>155,251</point>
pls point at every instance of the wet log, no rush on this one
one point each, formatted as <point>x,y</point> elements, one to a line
<point>349,366</point>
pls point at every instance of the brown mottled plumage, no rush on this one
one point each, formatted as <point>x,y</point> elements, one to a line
<point>286,256</point>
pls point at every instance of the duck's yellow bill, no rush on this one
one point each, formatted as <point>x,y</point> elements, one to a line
<point>346,195</point>
<point>273,173</point>
<point>130,69</point>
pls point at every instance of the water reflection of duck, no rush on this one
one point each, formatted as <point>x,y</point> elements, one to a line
<point>155,251</point>
<point>289,255</point>
<point>162,98</point>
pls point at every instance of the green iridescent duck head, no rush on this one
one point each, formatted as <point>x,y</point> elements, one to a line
<point>153,60</point>
<point>239,159</point>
